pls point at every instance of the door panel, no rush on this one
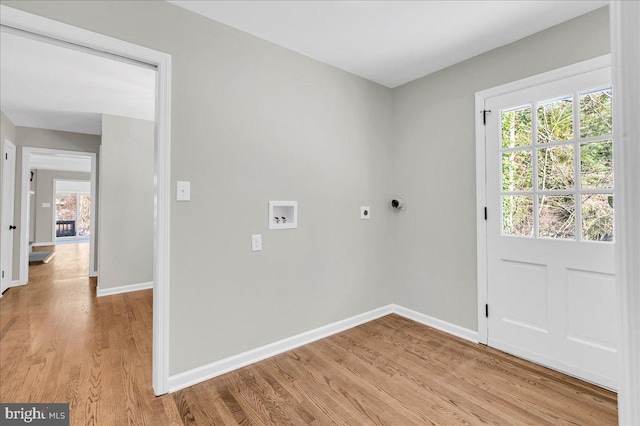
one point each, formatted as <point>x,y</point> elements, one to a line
<point>527,290</point>
<point>550,250</point>
<point>587,323</point>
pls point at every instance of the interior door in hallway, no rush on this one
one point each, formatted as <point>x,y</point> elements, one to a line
<point>8,227</point>
<point>550,237</point>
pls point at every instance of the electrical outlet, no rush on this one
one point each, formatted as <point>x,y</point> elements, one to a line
<point>365,212</point>
<point>183,191</point>
<point>256,242</point>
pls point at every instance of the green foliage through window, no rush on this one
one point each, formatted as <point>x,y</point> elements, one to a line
<point>555,120</point>
<point>595,113</point>
<point>556,148</point>
<point>516,171</point>
<point>555,167</point>
<point>557,216</point>
<point>596,164</point>
<point>516,127</point>
<point>597,217</point>
<point>517,215</point>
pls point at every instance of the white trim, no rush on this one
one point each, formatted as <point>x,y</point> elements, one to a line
<point>481,223</point>
<point>161,246</point>
<point>447,327</point>
<point>625,45</point>
<point>14,283</point>
<point>25,214</point>
<point>92,223</point>
<point>481,187</point>
<point>226,365</point>
<point>214,369</point>
<point>64,32</point>
<point>43,244</point>
<point>100,292</point>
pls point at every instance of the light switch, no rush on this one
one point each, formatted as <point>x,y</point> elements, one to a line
<point>45,205</point>
<point>256,242</point>
<point>183,192</point>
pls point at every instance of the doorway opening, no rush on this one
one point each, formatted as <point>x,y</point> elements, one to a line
<point>77,173</point>
<point>58,34</point>
<point>72,211</point>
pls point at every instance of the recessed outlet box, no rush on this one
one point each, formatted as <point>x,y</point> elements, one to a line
<point>365,212</point>
<point>283,214</point>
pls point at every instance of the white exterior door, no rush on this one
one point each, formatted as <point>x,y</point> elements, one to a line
<point>550,242</point>
<point>8,229</point>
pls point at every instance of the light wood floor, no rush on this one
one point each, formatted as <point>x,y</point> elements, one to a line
<point>59,343</point>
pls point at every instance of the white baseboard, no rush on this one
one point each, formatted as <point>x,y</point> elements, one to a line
<point>43,244</point>
<point>436,323</point>
<point>17,283</point>
<point>214,369</point>
<point>123,289</point>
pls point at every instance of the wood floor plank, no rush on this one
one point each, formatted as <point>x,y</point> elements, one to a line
<point>426,377</point>
<point>60,343</point>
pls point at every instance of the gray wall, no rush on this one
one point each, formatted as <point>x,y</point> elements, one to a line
<point>43,216</point>
<point>434,163</point>
<point>126,202</point>
<point>253,122</point>
<point>7,131</point>
<point>52,139</point>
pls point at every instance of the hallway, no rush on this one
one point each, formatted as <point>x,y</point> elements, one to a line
<point>59,343</point>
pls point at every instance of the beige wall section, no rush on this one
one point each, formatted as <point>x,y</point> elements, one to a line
<point>44,216</point>
<point>126,202</point>
<point>42,138</point>
<point>7,131</point>
<point>434,163</point>
<point>253,122</point>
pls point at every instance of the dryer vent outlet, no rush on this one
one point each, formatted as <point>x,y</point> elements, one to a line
<point>398,204</point>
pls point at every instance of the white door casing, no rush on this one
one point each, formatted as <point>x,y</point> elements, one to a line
<point>8,232</point>
<point>625,45</point>
<point>56,32</point>
<point>551,300</point>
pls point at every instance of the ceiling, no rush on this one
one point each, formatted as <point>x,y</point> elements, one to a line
<point>70,163</point>
<point>53,87</point>
<point>48,86</point>
<point>391,42</point>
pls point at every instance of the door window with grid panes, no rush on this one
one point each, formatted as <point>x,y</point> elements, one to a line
<point>557,167</point>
